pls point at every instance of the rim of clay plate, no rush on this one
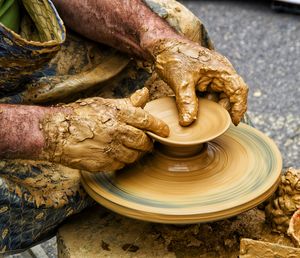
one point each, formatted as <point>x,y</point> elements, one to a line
<point>170,142</point>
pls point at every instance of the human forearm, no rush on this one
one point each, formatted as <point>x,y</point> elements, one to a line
<point>20,133</point>
<point>128,25</point>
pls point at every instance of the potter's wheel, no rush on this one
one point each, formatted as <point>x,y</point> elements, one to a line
<point>193,177</point>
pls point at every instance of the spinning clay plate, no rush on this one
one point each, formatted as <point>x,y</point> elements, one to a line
<point>221,178</point>
<point>212,121</point>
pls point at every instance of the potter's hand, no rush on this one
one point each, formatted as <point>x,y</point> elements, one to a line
<point>186,66</point>
<point>97,134</point>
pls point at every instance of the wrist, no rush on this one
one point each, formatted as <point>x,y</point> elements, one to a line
<point>54,126</point>
<point>153,32</point>
<point>153,44</point>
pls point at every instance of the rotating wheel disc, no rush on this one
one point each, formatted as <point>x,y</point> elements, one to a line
<point>232,173</point>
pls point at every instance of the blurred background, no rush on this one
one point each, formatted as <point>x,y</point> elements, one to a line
<point>264,46</point>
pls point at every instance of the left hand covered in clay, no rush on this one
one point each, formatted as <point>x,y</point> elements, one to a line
<point>186,67</point>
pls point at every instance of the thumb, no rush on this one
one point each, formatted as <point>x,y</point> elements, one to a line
<point>187,104</point>
<point>140,97</point>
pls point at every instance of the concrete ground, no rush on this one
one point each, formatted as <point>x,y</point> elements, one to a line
<point>264,47</point>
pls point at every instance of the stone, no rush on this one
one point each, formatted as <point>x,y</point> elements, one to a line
<point>250,248</point>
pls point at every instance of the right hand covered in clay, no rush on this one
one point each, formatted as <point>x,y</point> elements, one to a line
<point>186,66</point>
<point>100,135</point>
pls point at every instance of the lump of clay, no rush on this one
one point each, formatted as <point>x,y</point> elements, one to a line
<point>285,202</point>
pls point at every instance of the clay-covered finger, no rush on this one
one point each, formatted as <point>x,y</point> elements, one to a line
<point>236,90</point>
<point>134,138</point>
<point>140,97</point>
<point>203,83</point>
<point>126,155</point>
<point>141,119</point>
<point>239,100</point>
<point>187,104</point>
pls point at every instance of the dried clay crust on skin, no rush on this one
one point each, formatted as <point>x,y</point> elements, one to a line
<point>97,134</point>
<point>186,66</point>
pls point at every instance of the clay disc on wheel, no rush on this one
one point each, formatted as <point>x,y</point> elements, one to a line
<point>232,173</point>
<point>212,121</point>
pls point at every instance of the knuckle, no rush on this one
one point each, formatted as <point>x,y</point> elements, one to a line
<point>132,156</point>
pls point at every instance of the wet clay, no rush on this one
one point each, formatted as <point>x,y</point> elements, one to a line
<point>212,121</point>
<point>285,201</point>
<point>97,134</point>
<point>186,66</point>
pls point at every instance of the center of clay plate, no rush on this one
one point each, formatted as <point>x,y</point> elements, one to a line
<point>213,120</point>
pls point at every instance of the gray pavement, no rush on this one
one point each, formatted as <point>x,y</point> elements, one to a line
<point>264,47</point>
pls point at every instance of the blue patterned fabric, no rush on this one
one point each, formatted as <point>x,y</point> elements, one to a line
<point>33,202</point>
<point>29,213</point>
<point>21,59</point>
